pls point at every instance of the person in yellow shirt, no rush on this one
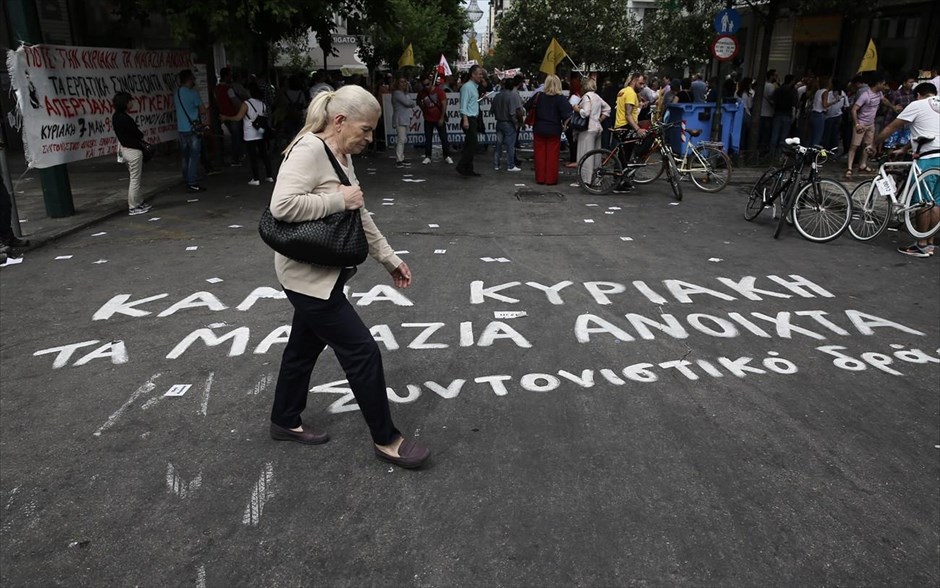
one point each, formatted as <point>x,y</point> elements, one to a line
<point>628,110</point>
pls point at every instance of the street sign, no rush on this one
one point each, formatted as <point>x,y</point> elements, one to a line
<point>725,48</point>
<point>727,22</point>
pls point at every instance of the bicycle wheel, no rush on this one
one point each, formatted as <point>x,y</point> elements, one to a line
<point>923,207</point>
<point>822,211</point>
<point>606,174</point>
<point>870,211</point>
<point>652,167</point>
<point>672,172</point>
<point>760,193</point>
<point>785,205</point>
<point>711,170</point>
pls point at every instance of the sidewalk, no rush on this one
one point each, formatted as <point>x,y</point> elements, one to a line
<point>99,190</point>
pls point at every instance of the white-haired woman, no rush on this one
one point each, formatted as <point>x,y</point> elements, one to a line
<point>593,108</point>
<point>309,188</point>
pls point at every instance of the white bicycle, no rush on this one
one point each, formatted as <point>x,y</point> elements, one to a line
<point>875,201</point>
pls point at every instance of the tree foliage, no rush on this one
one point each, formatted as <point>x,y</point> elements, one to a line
<point>527,27</point>
<point>240,25</point>
<point>432,27</point>
<point>679,36</point>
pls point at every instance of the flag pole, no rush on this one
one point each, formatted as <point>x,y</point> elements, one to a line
<point>576,68</point>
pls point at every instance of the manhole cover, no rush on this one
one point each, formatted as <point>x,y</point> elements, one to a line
<point>536,196</point>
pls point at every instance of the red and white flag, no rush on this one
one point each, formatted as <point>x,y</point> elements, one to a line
<point>443,68</point>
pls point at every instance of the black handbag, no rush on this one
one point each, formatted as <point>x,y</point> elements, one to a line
<point>148,149</point>
<point>576,122</point>
<point>261,123</point>
<point>337,240</point>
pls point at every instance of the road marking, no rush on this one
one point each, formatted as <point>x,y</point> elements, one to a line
<point>626,238</point>
<point>434,226</point>
<point>440,251</point>
<point>201,577</point>
<point>214,280</point>
<point>147,387</point>
<point>205,395</point>
<point>260,494</point>
<point>63,257</point>
<point>192,248</point>
<point>100,261</point>
<point>99,234</point>
<point>589,220</point>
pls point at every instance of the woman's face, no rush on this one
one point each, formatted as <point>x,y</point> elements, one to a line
<point>355,135</point>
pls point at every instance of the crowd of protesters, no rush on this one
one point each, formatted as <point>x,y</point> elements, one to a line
<point>820,110</point>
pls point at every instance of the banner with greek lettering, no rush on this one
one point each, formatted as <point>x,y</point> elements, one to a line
<point>64,98</point>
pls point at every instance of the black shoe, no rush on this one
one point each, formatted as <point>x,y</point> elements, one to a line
<point>195,188</point>
<point>308,436</point>
<point>15,242</point>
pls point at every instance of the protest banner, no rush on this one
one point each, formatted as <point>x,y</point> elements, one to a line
<point>64,97</point>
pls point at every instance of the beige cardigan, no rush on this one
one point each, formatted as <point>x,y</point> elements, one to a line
<point>307,188</point>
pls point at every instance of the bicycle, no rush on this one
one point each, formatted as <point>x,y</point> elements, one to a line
<point>876,200</point>
<point>705,163</point>
<point>820,209</point>
<point>609,172</point>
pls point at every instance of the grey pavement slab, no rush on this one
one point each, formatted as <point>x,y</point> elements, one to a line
<point>664,396</point>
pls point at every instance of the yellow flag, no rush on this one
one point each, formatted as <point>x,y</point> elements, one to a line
<point>407,58</point>
<point>473,52</point>
<point>870,60</point>
<point>553,56</point>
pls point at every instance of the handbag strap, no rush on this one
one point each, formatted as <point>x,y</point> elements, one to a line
<point>343,178</point>
<point>183,106</point>
<point>336,167</point>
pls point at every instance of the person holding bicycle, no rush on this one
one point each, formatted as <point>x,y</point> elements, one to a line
<point>627,123</point>
<point>923,115</point>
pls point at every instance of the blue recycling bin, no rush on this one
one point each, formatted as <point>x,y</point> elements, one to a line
<point>732,121</point>
<point>696,116</point>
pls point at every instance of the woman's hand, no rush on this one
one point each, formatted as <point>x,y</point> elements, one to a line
<point>353,197</point>
<point>401,275</point>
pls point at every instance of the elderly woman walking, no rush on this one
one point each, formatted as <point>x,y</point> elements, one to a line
<point>593,108</point>
<point>309,186</point>
<point>551,111</point>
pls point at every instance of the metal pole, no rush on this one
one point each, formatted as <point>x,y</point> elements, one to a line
<point>8,183</point>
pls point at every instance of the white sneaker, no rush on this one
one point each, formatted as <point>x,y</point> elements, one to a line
<point>269,180</point>
<point>254,183</point>
<point>426,160</point>
<point>142,209</point>
<point>574,184</point>
<point>495,168</point>
<point>515,168</point>
<point>448,161</point>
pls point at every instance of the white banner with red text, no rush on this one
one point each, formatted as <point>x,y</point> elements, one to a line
<point>64,98</point>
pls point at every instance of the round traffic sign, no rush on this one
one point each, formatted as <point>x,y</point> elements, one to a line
<point>725,48</point>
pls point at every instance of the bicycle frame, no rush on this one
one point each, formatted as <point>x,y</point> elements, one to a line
<point>886,184</point>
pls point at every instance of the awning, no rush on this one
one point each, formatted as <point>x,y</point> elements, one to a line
<point>345,57</point>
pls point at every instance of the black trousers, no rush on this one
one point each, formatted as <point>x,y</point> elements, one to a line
<point>258,150</point>
<point>316,324</point>
<point>465,164</point>
<point>429,128</point>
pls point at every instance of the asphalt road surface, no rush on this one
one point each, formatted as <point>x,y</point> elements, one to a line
<point>618,391</point>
